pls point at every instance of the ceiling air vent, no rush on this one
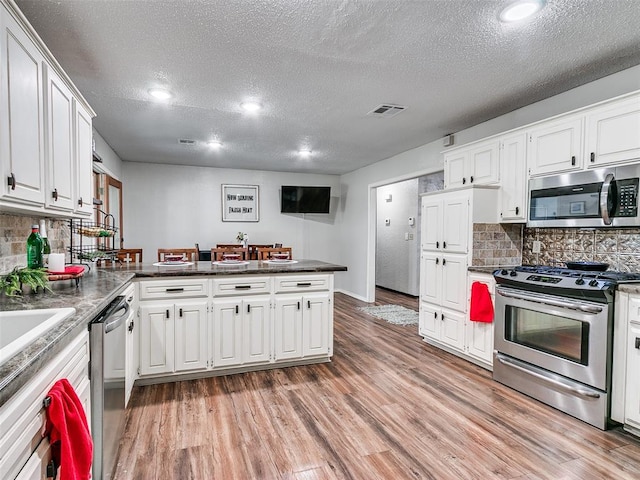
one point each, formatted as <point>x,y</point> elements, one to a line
<point>186,142</point>
<point>386,110</point>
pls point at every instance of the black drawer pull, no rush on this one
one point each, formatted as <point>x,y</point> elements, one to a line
<point>308,303</point>
<point>80,201</point>
<point>11,181</point>
<point>242,287</point>
<point>437,244</point>
<point>298,305</point>
<point>517,210</point>
<point>54,194</point>
<point>437,261</point>
<point>444,244</point>
<point>464,180</point>
<point>593,157</point>
<point>442,316</point>
<point>444,262</point>
<point>131,325</point>
<point>180,313</point>
<point>174,290</point>
<point>167,313</point>
<point>248,308</point>
<point>573,160</point>
<point>303,284</point>
<point>471,179</point>
<point>237,309</point>
<point>637,342</point>
<point>435,315</point>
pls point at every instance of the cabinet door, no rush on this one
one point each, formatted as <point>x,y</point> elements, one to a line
<point>454,279</point>
<point>36,466</point>
<point>21,114</point>
<point>431,277</point>
<point>191,335</point>
<point>513,188</point>
<point>59,126</point>
<point>456,169</point>
<point>613,133</point>
<point>555,147</point>
<point>452,329</point>
<point>429,323</point>
<point>632,397</point>
<point>288,327</point>
<point>157,333</point>
<point>483,163</point>
<point>315,324</point>
<point>83,157</point>
<point>227,332</point>
<point>480,340</point>
<point>256,332</point>
<point>455,223</point>
<point>431,224</point>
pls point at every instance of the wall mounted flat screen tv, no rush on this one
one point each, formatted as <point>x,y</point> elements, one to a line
<point>298,199</point>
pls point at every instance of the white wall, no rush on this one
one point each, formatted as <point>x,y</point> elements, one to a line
<point>397,258</point>
<point>356,228</point>
<point>169,206</point>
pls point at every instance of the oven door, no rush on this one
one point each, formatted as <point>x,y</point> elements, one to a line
<point>569,337</point>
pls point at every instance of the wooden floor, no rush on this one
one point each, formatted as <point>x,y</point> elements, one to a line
<point>389,406</point>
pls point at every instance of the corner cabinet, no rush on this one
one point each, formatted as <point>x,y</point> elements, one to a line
<point>45,150</point>
<point>475,164</point>
<point>446,232</point>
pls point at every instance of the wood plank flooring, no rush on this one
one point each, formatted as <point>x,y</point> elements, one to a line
<point>388,406</point>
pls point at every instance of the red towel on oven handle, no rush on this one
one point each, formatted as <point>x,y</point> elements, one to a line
<point>481,309</point>
<point>68,432</point>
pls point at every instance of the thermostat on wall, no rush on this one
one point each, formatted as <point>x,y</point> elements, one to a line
<point>411,221</point>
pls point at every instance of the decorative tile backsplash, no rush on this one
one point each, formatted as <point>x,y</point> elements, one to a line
<point>619,247</point>
<point>496,244</point>
<point>14,230</point>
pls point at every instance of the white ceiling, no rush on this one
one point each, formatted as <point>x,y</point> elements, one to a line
<point>318,67</point>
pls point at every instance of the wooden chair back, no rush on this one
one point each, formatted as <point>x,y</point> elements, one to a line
<point>253,250</point>
<point>188,254</point>
<point>266,253</point>
<point>217,254</point>
<point>129,255</point>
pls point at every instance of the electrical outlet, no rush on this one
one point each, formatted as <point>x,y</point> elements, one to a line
<point>536,246</point>
<point>411,236</point>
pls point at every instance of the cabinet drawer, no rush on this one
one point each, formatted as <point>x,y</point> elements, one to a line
<point>187,288</point>
<point>301,283</point>
<point>241,286</point>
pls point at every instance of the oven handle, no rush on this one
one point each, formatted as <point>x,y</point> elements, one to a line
<point>577,391</point>
<point>532,297</point>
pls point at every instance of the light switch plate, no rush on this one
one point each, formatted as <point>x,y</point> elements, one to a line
<point>536,246</point>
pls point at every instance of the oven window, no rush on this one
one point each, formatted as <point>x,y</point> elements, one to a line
<point>559,336</point>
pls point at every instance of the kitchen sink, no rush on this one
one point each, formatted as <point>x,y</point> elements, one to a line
<point>18,329</point>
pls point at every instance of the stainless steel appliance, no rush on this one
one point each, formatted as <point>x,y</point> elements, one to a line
<point>594,198</point>
<point>553,336</point>
<point>107,338</point>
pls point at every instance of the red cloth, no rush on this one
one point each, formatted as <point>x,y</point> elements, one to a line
<point>68,432</point>
<point>70,270</point>
<point>481,305</point>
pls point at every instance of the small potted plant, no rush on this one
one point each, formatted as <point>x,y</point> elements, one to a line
<point>24,280</point>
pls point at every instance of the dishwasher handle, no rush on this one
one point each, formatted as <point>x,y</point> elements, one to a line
<point>114,321</point>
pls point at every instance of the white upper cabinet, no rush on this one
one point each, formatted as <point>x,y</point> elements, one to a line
<point>59,135</point>
<point>555,146</point>
<point>21,115</point>
<point>513,174</point>
<point>445,222</point>
<point>473,165</point>
<point>83,158</point>
<point>613,133</point>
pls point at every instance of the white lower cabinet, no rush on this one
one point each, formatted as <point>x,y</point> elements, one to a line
<point>632,397</point>
<point>442,325</point>
<point>241,331</point>
<point>479,335</point>
<point>24,454</point>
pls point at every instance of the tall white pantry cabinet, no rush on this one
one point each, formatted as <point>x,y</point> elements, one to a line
<point>446,253</point>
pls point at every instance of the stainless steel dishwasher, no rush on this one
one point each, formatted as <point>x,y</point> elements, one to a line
<point>107,340</point>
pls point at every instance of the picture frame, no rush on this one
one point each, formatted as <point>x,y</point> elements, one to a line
<point>240,203</point>
<point>577,208</point>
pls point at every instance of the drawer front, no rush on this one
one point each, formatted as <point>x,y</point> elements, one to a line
<point>241,286</point>
<point>23,417</point>
<point>302,283</point>
<point>162,289</point>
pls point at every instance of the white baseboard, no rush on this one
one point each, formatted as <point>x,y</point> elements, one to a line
<point>351,294</point>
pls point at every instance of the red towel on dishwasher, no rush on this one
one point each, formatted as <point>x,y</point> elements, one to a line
<point>481,309</point>
<point>68,432</point>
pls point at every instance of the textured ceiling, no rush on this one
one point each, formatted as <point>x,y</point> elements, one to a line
<point>319,67</point>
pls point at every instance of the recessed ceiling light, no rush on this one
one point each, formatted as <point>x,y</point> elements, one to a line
<point>304,152</point>
<point>214,144</point>
<point>251,106</point>
<point>520,10</point>
<point>160,93</point>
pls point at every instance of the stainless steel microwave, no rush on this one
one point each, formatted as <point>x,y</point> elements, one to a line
<point>605,197</point>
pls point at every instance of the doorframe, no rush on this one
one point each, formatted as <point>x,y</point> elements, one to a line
<point>108,181</point>
<point>371,225</point>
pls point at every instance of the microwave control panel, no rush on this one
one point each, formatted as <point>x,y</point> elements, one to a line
<point>627,198</point>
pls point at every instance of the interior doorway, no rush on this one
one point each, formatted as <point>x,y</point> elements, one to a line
<point>108,195</point>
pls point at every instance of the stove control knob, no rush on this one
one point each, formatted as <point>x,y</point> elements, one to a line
<point>593,283</point>
<point>504,272</point>
<point>580,281</point>
<point>513,273</point>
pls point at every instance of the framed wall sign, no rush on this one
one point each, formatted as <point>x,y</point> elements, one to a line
<point>240,203</point>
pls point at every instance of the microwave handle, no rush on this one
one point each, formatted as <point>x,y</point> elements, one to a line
<point>604,199</point>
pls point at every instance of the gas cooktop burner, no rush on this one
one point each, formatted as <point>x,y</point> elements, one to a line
<point>612,276</point>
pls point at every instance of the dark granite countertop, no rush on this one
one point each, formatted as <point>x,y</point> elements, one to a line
<point>96,289</point>
<point>489,269</point>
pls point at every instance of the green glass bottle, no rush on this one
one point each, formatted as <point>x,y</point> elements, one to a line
<point>46,246</point>
<point>34,248</point>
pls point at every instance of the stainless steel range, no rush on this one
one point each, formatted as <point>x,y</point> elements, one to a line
<point>553,336</point>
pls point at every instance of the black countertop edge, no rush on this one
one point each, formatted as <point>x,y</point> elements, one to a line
<point>97,288</point>
<point>488,269</point>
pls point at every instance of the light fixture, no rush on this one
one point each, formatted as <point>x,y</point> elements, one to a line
<point>214,144</point>
<point>251,107</point>
<point>304,152</point>
<point>520,10</point>
<point>160,93</point>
